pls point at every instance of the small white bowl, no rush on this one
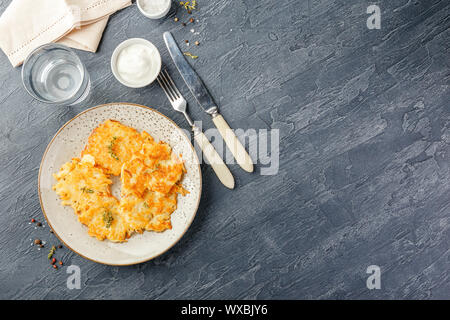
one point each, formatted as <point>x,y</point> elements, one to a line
<point>124,45</point>
<point>154,15</point>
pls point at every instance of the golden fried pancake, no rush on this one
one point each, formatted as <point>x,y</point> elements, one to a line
<point>150,212</point>
<point>149,190</point>
<point>154,168</point>
<point>150,176</point>
<point>112,144</point>
<point>81,184</point>
<point>108,223</point>
<point>86,188</point>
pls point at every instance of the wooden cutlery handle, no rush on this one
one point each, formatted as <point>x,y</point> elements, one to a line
<point>233,143</point>
<point>220,168</point>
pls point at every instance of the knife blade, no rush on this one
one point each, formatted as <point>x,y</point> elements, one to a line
<point>204,99</point>
<point>193,81</point>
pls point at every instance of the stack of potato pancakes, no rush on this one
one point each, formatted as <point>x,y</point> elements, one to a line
<point>151,180</point>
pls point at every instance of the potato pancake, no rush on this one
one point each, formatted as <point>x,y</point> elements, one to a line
<point>86,188</point>
<point>81,184</point>
<point>150,212</point>
<point>108,223</point>
<point>150,177</point>
<point>112,144</point>
<point>153,168</point>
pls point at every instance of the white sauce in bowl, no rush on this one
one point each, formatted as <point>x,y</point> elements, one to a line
<point>154,6</point>
<point>154,9</point>
<point>136,63</point>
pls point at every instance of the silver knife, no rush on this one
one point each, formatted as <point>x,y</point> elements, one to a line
<point>205,100</point>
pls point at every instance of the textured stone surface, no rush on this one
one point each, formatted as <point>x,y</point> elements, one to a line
<point>364,156</point>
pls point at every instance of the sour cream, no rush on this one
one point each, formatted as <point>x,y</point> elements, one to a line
<point>136,63</point>
<point>154,9</point>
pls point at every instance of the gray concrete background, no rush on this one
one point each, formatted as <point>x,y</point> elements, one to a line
<point>364,156</point>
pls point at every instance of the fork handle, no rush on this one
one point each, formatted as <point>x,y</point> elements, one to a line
<point>219,167</point>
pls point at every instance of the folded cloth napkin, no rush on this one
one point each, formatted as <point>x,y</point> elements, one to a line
<point>86,38</point>
<point>28,24</point>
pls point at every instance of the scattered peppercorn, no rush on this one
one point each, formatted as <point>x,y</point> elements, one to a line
<point>39,224</point>
<point>187,41</point>
<point>197,43</point>
<point>32,220</point>
<point>55,266</point>
<point>41,245</point>
<point>183,24</point>
<point>189,11</point>
<point>37,242</point>
<point>60,263</point>
<point>191,20</point>
<point>176,19</point>
<point>51,231</point>
<point>60,246</point>
<point>53,260</point>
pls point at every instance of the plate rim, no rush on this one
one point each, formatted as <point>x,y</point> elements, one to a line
<point>107,105</point>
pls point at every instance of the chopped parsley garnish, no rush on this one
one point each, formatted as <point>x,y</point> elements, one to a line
<point>108,218</point>
<point>52,252</point>
<point>190,55</point>
<point>84,189</point>
<point>189,5</point>
<point>111,148</point>
<point>156,168</point>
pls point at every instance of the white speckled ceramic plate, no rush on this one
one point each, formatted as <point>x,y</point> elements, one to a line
<point>70,140</point>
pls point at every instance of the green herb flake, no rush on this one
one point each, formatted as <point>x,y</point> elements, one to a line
<point>52,252</point>
<point>189,5</point>
<point>190,55</point>
<point>84,189</point>
<point>108,218</point>
<point>156,168</point>
<point>146,205</point>
<point>111,148</point>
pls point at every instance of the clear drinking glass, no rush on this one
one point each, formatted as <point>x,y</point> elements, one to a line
<point>54,74</point>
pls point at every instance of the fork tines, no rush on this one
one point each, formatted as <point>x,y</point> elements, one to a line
<point>167,84</point>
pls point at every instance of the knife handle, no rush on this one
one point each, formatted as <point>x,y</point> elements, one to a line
<point>219,167</point>
<point>233,143</point>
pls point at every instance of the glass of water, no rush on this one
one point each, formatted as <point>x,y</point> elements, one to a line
<point>54,74</point>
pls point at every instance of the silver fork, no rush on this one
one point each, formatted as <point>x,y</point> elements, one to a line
<point>179,104</point>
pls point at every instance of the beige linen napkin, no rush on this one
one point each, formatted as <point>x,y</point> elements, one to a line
<point>28,24</point>
<point>86,38</point>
